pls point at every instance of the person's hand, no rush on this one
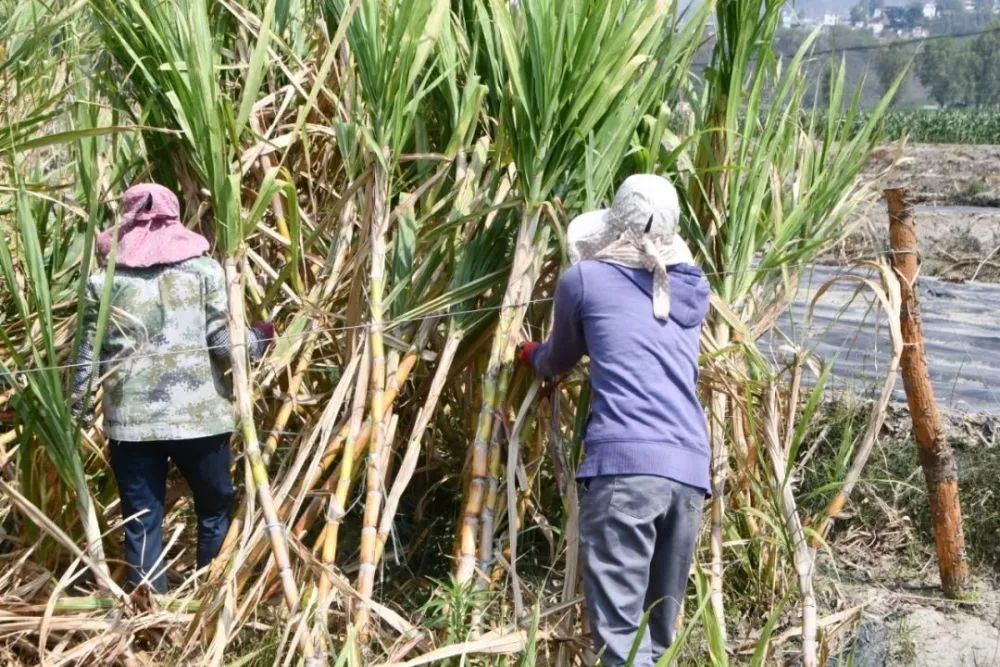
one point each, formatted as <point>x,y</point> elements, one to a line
<point>525,351</point>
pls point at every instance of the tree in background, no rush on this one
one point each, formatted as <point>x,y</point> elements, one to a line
<point>890,63</point>
<point>865,9</point>
<point>958,72</point>
<point>943,69</point>
<point>914,14</point>
<point>985,69</point>
<point>985,6</point>
<point>946,7</point>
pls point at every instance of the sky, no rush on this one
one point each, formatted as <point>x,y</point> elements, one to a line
<point>819,7</point>
<point>813,8</point>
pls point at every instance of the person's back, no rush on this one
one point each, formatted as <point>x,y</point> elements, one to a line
<point>634,302</point>
<point>161,382</point>
<point>161,360</point>
<point>645,414</point>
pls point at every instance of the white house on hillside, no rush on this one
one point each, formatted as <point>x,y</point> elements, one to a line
<point>789,18</point>
<point>930,10</point>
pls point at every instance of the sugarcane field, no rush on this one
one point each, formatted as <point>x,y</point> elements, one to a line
<point>549,333</point>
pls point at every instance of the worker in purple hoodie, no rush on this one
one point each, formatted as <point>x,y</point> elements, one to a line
<point>634,302</point>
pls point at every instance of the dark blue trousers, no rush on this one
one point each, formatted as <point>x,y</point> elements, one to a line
<point>637,537</point>
<point>141,472</point>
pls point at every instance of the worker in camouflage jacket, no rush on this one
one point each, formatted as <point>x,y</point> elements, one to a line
<point>161,364</point>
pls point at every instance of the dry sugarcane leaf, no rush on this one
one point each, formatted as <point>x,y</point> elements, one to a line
<point>46,524</point>
<point>491,643</point>
<point>823,623</point>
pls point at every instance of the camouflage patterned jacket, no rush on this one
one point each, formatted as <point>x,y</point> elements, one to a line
<point>164,353</point>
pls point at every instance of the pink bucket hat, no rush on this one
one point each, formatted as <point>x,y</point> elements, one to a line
<point>150,232</point>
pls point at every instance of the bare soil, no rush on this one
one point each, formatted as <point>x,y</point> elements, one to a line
<point>943,174</point>
<point>906,623</point>
<point>882,559</point>
<point>957,192</point>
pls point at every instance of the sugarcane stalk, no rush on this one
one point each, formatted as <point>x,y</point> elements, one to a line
<point>514,520</point>
<point>217,614</point>
<point>410,458</point>
<point>257,548</point>
<point>720,466</point>
<point>285,411</point>
<point>244,410</point>
<point>524,271</point>
<point>709,195</point>
<point>489,511</point>
<point>378,193</point>
<point>331,453</point>
<point>91,526</point>
<point>336,266</point>
<point>803,556</point>
<point>338,502</point>
<point>399,378</point>
<point>289,507</point>
<point>309,457</point>
<point>467,179</point>
<point>266,164</point>
<point>565,473</point>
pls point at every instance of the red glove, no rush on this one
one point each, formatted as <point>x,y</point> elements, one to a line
<point>525,351</point>
<point>265,330</point>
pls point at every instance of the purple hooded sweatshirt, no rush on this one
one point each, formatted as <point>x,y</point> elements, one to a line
<point>645,417</point>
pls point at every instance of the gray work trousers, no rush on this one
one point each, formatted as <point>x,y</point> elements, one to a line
<point>637,537</point>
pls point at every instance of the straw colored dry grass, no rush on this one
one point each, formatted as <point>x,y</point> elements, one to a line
<point>390,182</point>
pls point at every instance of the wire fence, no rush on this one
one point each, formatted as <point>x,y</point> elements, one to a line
<point>846,329</point>
<point>886,44</point>
<point>390,324</point>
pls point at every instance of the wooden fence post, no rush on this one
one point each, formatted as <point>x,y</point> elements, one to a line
<point>936,456</point>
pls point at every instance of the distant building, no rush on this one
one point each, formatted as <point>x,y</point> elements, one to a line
<point>877,27</point>
<point>831,20</point>
<point>930,10</point>
<point>790,18</point>
<point>920,32</point>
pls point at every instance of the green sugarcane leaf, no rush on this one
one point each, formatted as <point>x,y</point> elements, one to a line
<point>256,69</point>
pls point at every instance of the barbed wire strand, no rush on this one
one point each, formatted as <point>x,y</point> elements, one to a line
<point>849,264</point>
<point>882,46</point>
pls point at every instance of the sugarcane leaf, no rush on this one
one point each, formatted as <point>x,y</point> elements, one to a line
<point>256,67</point>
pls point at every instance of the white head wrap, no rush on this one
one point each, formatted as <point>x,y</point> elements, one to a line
<point>638,231</point>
